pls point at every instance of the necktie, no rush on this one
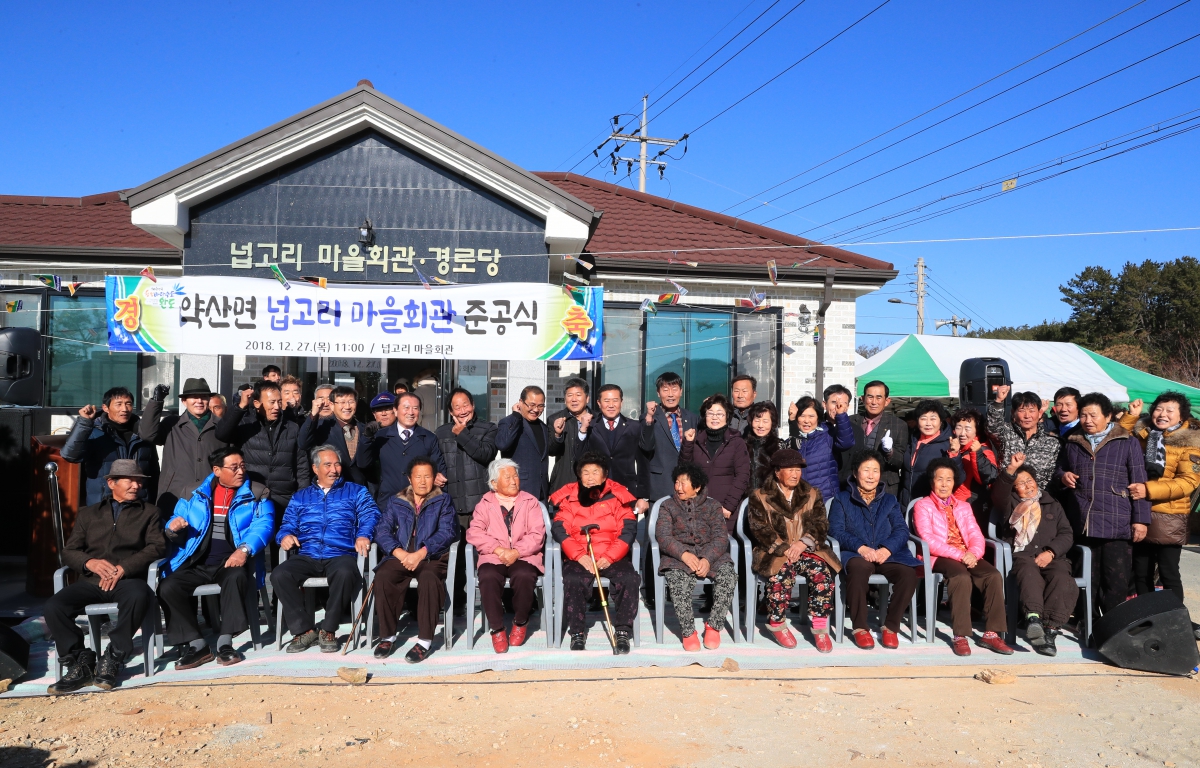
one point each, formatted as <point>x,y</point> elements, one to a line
<point>676,435</point>
<point>405,434</point>
<point>612,424</point>
<point>870,424</point>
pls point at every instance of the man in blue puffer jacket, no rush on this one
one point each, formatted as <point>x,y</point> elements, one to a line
<point>330,522</point>
<point>215,536</point>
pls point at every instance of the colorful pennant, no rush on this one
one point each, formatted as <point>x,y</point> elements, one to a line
<point>773,272</point>
<point>424,282</point>
<point>577,295</point>
<point>275,270</point>
<point>14,306</point>
<point>320,282</point>
<point>648,306</point>
<point>678,288</point>
<point>50,281</point>
<point>439,280</point>
<point>669,299</point>
<point>72,287</point>
<point>671,260</point>
<point>148,273</point>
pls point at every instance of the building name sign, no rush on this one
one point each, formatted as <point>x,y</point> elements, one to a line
<point>448,263</point>
<point>209,315</point>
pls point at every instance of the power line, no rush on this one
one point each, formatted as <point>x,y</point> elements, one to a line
<point>1039,166</point>
<point>939,106</point>
<point>983,130</point>
<point>680,66</point>
<point>793,66</point>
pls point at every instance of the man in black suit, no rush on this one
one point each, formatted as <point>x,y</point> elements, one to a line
<point>523,437</point>
<point>663,427</point>
<point>564,441</point>
<point>340,428</point>
<point>881,431</point>
<point>616,438</point>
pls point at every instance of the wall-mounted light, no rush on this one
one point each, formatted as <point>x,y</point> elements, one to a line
<point>366,234</point>
<point>804,318</point>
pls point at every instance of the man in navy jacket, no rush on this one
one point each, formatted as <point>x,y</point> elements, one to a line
<point>523,437</point>
<point>329,522</point>
<point>396,446</point>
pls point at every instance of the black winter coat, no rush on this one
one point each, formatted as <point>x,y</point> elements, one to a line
<point>1054,532</point>
<point>761,450</point>
<point>565,449</point>
<point>328,431</point>
<point>279,463</point>
<point>514,438</point>
<point>467,456</point>
<point>95,445</point>
<point>185,450</point>
<point>134,542</point>
<point>728,471</point>
<point>914,484</point>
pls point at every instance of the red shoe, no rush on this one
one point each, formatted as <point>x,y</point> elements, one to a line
<point>823,643</point>
<point>712,638</point>
<point>961,647</point>
<point>889,639</point>
<point>500,642</point>
<point>863,639</point>
<point>692,642</point>
<point>995,642</point>
<point>782,635</point>
<point>516,635</point>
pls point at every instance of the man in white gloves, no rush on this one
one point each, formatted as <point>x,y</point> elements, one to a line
<point>879,430</point>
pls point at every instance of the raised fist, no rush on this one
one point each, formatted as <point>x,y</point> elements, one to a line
<point>690,435</point>
<point>559,425</point>
<point>1136,406</point>
<point>88,411</point>
<point>651,407</point>
<point>160,393</point>
<point>793,411</point>
<point>585,421</point>
<point>246,394</point>
<point>1002,391</point>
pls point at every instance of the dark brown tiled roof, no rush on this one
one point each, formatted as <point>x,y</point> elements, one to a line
<point>636,222</point>
<point>95,221</point>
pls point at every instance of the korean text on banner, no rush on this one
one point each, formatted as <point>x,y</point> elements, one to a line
<point>225,316</point>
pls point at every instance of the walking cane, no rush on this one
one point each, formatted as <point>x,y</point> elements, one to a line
<point>587,531</point>
<point>354,627</point>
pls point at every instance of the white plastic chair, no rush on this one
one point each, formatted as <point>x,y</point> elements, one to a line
<point>660,581</point>
<point>753,582</point>
<point>211,592</point>
<point>545,582</point>
<point>314,583</point>
<point>559,602</point>
<point>447,607</point>
<point>97,612</point>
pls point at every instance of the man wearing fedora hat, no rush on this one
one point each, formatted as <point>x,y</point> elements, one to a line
<point>111,547</point>
<point>188,439</point>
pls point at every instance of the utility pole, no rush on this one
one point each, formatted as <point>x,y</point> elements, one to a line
<point>642,139</point>
<point>955,322</point>
<point>920,296</point>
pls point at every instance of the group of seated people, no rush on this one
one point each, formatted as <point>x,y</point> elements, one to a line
<point>841,499</point>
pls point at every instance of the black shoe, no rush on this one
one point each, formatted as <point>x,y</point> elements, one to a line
<point>622,638</point>
<point>1196,630</point>
<point>384,649</point>
<point>77,673</point>
<point>227,656</point>
<point>579,642</point>
<point>328,642</point>
<point>192,658</point>
<point>1047,647</point>
<point>416,654</point>
<point>1035,633</point>
<point>108,670</point>
<point>302,642</point>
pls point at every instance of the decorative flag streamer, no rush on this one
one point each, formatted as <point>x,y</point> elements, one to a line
<point>678,288</point>
<point>440,281</point>
<point>14,306</point>
<point>577,295</point>
<point>669,299</point>
<point>72,287</point>
<point>148,273</point>
<point>1009,185</point>
<point>648,306</point>
<point>681,261</point>
<point>802,263</point>
<point>576,278</point>
<point>50,281</point>
<point>424,282</point>
<point>320,282</point>
<point>275,270</point>
<point>773,272</point>
<point>756,302</point>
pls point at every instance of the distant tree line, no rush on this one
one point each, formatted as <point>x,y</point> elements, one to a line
<point>1146,316</point>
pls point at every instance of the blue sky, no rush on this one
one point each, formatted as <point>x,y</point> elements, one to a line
<point>97,97</point>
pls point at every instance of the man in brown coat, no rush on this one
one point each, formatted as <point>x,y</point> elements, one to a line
<point>111,548</point>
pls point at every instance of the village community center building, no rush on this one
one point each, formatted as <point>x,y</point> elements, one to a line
<point>296,194</point>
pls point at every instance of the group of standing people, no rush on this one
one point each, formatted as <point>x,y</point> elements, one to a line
<point>243,487</point>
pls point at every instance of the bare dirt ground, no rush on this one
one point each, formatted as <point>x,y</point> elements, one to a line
<point>1086,716</point>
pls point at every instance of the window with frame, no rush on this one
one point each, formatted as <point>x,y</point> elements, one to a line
<point>79,367</point>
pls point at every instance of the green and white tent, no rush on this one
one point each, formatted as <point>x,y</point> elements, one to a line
<point>927,366</point>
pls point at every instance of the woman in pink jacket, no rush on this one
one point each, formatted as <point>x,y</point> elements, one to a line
<point>948,526</point>
<point>508,533</point>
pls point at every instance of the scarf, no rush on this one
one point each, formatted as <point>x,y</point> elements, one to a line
<point>1094,440</point>
<point>1025,520</point>
<point>1156,451</point>
<point>868,496</point>
<point>922,440</point>
<point>589,496</point>
<point>508,506</point>
<point>199,421</point>
<point>716,438</point>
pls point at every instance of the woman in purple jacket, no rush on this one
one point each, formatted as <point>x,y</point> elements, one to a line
<point>722,454</point>
<point>820,442</point>
<point>1099,462</point>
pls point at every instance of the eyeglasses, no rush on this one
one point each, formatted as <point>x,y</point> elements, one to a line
<point>533,407</point>
<point>235,468</point>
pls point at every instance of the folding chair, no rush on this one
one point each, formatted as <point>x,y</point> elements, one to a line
<point>878,580</point>
<point>447,607</point>
<point>97,612</point>
<point>660,581</point>
<point>314,583</point>
<point>211,593</point>
<point>753,582</point>
<point>545,583</point>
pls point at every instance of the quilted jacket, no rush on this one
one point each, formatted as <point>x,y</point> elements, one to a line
<point>527,536</point>
<point>821,449</point>
<point>613,512</point>
<point>326,524</point>
<point>932,526</point>
<point>437,526</point>
<point>1102,491</point>
<point>251,522</point>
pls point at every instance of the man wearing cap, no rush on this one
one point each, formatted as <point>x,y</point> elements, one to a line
<point>111,548</point>
<point>395,446</point>
<point>335,423</point>
<point>188,439</point>
<point>216,537</point>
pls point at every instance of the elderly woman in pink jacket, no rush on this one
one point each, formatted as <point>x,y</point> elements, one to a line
<point>508,532</point>
<point>948,526</point>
